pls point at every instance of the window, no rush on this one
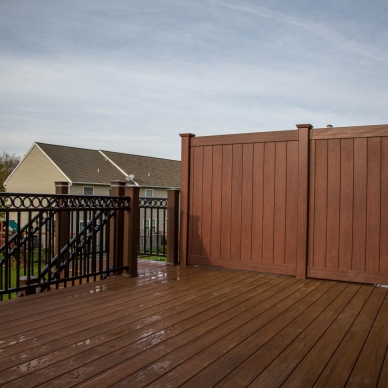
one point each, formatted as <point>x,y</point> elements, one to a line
<point>149,193</point>
<point>88,190</point>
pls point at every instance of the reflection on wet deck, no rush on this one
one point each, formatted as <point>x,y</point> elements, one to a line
<point>197,327</point>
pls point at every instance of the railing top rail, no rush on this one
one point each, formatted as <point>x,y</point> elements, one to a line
<point>27,201</point>
<point>152,202</point>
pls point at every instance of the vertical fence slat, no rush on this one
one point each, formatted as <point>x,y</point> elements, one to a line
<point>226,205</point>
<point>333,202</point>
<point>373,205</point>
<point>206,215</point>
<point>320,211</point>
<point>360,191</point>
<point>269,202</point>
<point>235,244</point>
<point>291,202</point>
<point>247,202</point>
<point>384,207</point>
<point>303,198</point>
<point>217,226</point>
<point>280,202</point>
<point>258,200</point>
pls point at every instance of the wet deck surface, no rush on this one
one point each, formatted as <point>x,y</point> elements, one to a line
<point>197,327</point>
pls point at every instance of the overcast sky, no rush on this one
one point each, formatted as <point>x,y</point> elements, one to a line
<point>129,76</point>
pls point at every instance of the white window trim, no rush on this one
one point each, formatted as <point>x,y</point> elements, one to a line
<point>152,193</point>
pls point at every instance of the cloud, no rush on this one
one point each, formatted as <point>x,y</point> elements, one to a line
<point>132,76</point>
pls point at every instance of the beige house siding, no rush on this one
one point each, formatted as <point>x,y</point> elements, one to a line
<point>157,192</point>
<point>35,174</point>
<point>78,189</point>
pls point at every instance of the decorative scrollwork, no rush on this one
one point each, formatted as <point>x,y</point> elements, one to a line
<point>10,201</point>
<point>154,203</point>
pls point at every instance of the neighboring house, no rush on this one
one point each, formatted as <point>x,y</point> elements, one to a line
<point>90,172</point>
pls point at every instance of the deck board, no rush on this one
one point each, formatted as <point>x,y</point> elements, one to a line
<point>197,327</point>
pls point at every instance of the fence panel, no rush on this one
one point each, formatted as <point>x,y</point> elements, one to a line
<point>348,204</point>
<point>243,201</point>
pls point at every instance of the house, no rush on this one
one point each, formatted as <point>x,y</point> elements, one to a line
<point>90,172</point>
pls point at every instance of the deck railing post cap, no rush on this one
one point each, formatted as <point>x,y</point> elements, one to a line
<point>309,126</point>
<point>186,135</point>
<point>118,183</point>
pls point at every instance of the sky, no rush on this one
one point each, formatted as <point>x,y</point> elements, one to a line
<point>130,76</point>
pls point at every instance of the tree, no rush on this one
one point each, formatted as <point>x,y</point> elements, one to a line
<point>8,163</point>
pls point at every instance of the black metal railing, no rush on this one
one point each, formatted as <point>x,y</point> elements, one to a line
<point>57,240</point>
<point>153,226</point>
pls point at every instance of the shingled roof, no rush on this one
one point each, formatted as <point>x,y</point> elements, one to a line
<point>82,165</point>
<point>148,171</point>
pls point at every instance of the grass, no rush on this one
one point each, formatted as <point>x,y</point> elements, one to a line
<point>14,274</point>
<point>153,258</point>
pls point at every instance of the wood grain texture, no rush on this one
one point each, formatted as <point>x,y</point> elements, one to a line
<point>244,138</point>
<point>311,230</point>
<point>360,187</point>
<point>235,243</point>
<point>269,202</point>
<point>216,202</point>
<point>320,211</point>
<point>373,209</point>
<point>196,216</point>
<point>191,327</point>
<point>280,202</point>
<point>185,196</point>
<point>303,198</point>
<point>247,202</point>
<point>206,216</point>
<point>349,132</point>
<point>346,205</point>
<point>384,207</point>
<point>291,203</point>
<point>226,204</point>
<point>333,203</point>
<point>258,202</point>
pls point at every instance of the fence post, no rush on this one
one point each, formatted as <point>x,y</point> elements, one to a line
<point>185,197</point>
<point>62,222</point>
<point>131,231</point>
<point>172,226</point>
<point>303,199</point>
<point>116,229</point>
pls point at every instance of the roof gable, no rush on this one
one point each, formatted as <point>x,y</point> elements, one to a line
<point>82,165</point>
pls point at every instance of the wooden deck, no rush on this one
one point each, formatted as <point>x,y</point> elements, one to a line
<point>197,327</point>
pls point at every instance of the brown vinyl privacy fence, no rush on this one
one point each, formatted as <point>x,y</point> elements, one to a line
<point>301,202</point>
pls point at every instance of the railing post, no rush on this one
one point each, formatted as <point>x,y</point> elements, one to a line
<point>185,197</point>
<point>303,199</point>
<point>131,231</point>
<point>62,222</point>
<point>116,228</point>
<point>172,226</point>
